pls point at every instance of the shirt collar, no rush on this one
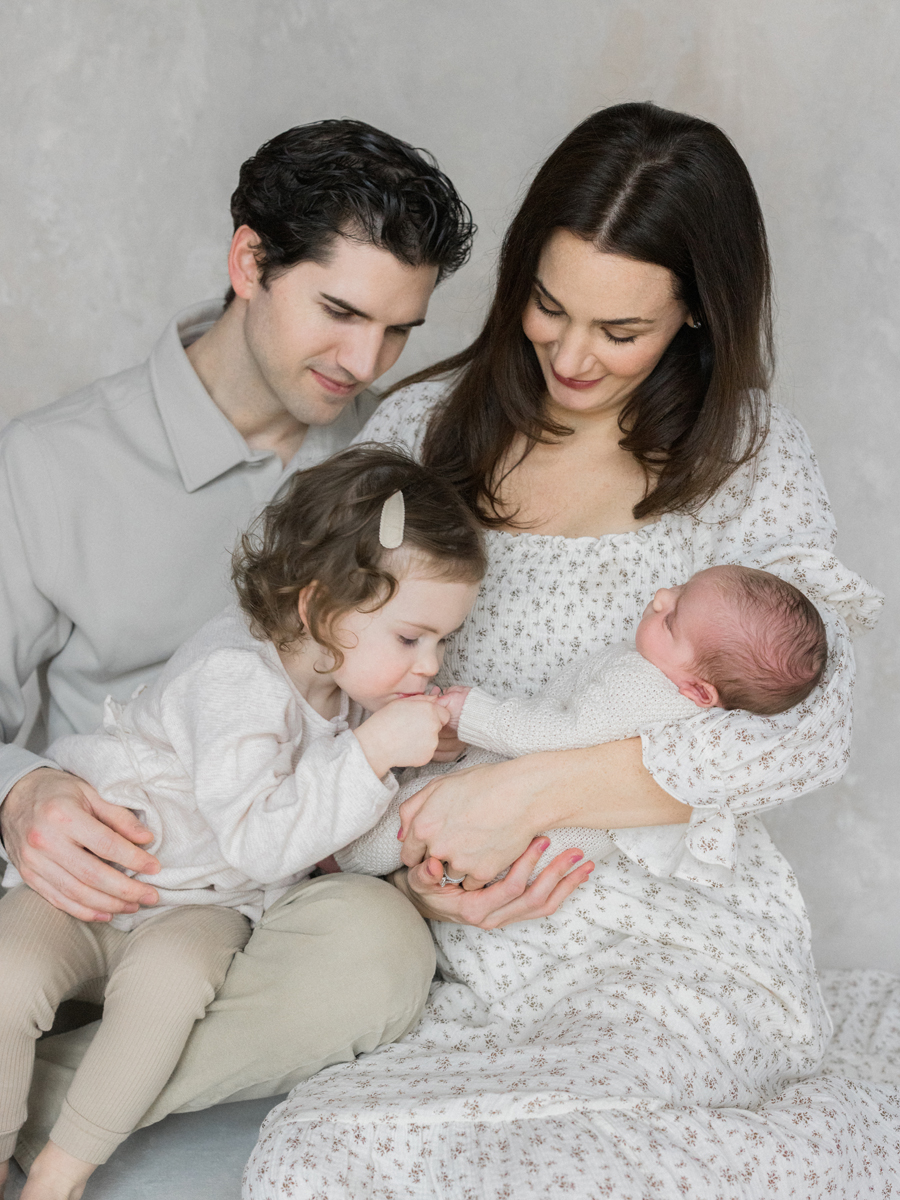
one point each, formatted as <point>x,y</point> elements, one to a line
<point>204,442</point>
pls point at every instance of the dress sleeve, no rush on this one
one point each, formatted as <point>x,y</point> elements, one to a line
<point>274,814</point>
<point>401,419</point>
<point>773,514</point>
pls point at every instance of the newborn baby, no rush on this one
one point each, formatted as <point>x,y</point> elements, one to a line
<point>731,637</point>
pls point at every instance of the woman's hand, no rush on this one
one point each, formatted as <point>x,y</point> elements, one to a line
<point>57,831</point>
<point>509,900</point>
<point>472,820</point>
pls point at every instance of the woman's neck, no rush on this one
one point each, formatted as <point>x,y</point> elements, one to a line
<point>580,485</point>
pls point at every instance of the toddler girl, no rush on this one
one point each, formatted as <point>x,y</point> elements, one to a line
<point>249,759</point>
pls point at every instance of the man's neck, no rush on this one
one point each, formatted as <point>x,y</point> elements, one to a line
<point>226,369</point>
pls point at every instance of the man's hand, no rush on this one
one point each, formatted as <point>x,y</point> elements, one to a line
<point>56,830</point>
<point>402,734</point>
<point>509,900</point>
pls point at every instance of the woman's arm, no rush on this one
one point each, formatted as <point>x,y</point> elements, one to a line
<point>480,820</point>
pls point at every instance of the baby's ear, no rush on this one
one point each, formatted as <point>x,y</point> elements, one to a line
<point>702,693</point>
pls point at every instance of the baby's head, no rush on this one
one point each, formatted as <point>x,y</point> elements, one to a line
<point>314,566</point>
<point>734,637</point>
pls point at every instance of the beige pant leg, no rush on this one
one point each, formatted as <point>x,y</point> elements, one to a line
<point>45,956</point>
<point>338,966</point>
<point>161,980</point>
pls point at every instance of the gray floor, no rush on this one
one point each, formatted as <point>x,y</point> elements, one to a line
<point>195,1156</point>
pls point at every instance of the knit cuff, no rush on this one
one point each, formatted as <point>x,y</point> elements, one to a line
<point>476,722</point>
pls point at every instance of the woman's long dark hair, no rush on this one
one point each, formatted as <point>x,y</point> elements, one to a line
<point>659,187</point>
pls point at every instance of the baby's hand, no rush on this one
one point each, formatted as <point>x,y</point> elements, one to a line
<point>453,700</point>
<point>402,734</point>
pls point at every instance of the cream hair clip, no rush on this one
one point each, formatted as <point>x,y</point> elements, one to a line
<point>393,520</point>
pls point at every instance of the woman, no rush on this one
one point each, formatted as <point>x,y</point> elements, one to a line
<point>609,426</point>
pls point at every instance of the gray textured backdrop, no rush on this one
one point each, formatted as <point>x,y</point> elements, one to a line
<point>125,122</point>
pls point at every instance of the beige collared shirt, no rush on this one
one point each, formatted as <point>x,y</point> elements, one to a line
<point>119,509</point>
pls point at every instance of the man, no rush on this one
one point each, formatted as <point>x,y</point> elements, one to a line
<point>118,508</point>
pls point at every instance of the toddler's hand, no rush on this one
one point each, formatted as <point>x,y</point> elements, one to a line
<point>402,734</point>
<point>453,700</point>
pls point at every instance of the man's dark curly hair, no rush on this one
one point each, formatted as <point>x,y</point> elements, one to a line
<point>314,182</point>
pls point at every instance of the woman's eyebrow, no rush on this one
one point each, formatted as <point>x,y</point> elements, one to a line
<point>610,321</point>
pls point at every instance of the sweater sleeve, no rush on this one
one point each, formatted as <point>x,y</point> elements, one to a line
<point>606,698</point>
<point>273,813</point>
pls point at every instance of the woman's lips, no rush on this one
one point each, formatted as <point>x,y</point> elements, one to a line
<point>577,385</point>
<point>332,385</point>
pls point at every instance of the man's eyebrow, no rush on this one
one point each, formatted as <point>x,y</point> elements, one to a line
<point>611,321</point>
<point>357,312</point>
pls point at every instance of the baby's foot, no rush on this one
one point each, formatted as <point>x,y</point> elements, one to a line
<point>4,1172</point>
<point>57,1175</point>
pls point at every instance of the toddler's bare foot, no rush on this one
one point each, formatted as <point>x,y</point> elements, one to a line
<point>57,1175</point>
<point>4,1172</point>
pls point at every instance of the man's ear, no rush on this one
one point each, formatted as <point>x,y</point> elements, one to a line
<point>243,267</point>
<point>702,693</point>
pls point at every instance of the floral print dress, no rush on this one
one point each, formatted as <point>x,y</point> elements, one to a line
<point>660,1033</point>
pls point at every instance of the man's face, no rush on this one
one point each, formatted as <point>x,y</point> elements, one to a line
<point>319,334</point>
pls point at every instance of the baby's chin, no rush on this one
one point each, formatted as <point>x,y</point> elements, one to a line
<point>639,639</point>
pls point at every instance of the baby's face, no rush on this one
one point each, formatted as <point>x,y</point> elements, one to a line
<point>674,624</point>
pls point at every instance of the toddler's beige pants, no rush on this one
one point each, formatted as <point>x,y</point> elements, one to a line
<point>337,966</point>
<point>157,982</point>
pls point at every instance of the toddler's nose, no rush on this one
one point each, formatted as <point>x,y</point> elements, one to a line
<point>427,665</point>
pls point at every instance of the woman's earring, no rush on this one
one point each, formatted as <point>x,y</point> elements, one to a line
<point>696,323</point>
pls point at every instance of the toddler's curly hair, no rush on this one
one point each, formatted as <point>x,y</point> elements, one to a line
<point>323,536</point>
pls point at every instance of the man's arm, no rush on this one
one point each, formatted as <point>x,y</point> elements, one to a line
<point>31,628</point>
<point>47,817</point>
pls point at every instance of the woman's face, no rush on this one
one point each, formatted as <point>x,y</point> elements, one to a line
<point>599,323</point>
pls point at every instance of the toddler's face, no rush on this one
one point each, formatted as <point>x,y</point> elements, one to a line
<point>398,649</point>
<point>674,624</point>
